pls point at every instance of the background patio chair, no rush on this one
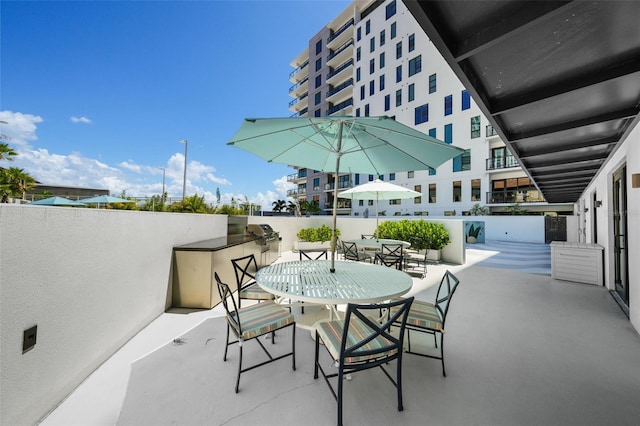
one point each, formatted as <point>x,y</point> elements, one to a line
<point>390,255</point>
<point>312,255</point>
<point>245,268</point>
<point>360,342</point>
<point>252,322</point>
<point>350,252</point>
<point>415,258</point>
<point>390,261</point>
<point>429,318</point>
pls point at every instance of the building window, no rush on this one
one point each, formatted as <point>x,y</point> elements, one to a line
<point>399,50</point>
<point>412,42</point>
<point>391,9</point>
<point>357,112</point>
<point>448,133</point>
<point>410,174</point>
<point>432,171</point>
<point>395,202</point>
<point>432,193</point>
<point>372,44</point>
<point>382,60</point>
<point>466,100</point>
<point>432,83</point>
<point>432,132</point>
<point>475,190</point>
<point>371,178</point>
<point>367,27</point>
<point>387,102</point>
<point>462,162</point>
<point>318,64</point>
<point>361,92</point>
<point>422,114</point>
<point>415,65</point>
<point>318,98</point>
<point>372,66</point>
<point>318,80</point>
<point>448,105</point>
<point>366,110</point>
<point>357,74</point>
<point>475,127</point>
<point>398,73</point>
<point>457,191</point>
<point>318,47</point>
<point>382,82</point>
<point>398,97</point>
<point>417,200</point>
<point>412,92</point>
<point>393,31</point>
<point>358,54</point>
<point>358,33</point>
<point>318,113</point>
<point>383,36</point>
<point>372,87</point>
<point>316,184</point>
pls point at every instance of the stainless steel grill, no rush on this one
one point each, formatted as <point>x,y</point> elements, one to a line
<point>269,240</point>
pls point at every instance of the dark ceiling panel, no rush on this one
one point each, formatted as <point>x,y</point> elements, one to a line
<point>558,80</point>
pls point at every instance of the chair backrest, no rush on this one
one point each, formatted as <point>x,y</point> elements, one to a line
<point>350,251</point>
<point>447,287</point>
<point>367,236</point>
<point>364,338</point>
<point>245,268</point>
<point>313,254</point>
<point>391,261</point>
<point>391,250</point>
<point>231,308</point>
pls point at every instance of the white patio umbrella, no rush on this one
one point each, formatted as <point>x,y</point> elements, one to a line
<point>370,145</point>
<point>378,190</point>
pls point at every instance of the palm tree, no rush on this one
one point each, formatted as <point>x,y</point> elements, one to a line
<point>6,152</point>
<point>18,181</point>
<point>279,205</point>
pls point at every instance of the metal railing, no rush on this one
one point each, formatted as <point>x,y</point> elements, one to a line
<point>511,197</point>
<point>502,162</point>
<point>491,131</point>
<point>339,31</point>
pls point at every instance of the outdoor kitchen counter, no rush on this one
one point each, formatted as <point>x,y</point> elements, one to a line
<point>215,244</point>
<point>193,284</point>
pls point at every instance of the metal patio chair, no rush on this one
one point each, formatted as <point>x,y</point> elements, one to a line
<point>360,342</point>
<point>350,252</point>
<point>245,268</point>
<point>252,322</point>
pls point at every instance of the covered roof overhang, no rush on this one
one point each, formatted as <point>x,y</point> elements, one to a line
<point>558,80</point>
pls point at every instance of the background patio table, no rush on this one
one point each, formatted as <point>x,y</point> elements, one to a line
<point>310,281</point>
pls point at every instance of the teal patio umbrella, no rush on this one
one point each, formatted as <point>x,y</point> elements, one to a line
<point>105,199</point>
<point>57,201</point>
<point>370,145</point>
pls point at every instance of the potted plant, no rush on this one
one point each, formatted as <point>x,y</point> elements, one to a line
<point>429,236</point>
<point>312,238</point>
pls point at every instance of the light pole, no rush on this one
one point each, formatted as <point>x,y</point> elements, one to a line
<point>184,181</point>
<point>163,174</point>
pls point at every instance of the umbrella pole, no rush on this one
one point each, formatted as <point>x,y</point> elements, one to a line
<point>335,199</point>
<point>377,217</point>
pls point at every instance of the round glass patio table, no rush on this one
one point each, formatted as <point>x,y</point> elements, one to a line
<point>310,281</point>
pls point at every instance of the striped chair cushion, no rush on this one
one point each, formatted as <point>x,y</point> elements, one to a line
<point>331,334</point>
<point>424,315</point>
<point>262,318</point>
<point>255,292</point>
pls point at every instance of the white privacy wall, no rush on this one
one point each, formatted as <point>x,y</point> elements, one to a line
<point>90,280</point>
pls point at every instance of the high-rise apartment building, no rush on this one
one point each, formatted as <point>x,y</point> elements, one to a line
<point>374,59</point>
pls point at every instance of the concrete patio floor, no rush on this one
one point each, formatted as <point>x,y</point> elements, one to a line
<point>521,349</point>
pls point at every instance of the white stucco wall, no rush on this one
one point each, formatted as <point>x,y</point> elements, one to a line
<point>628,153</point>
<point>90,279</point>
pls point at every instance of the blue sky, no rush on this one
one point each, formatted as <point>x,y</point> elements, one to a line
<point>98,93</point>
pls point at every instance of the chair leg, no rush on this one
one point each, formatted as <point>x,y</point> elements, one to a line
<point>239,366</point>
<point>444,373</point>
<point>340,382</point>
<point>293,346</point>
<point>315,364</point>
<point>227,345</point>
<point>399,383</point>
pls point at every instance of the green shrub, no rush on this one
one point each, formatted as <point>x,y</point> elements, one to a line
<point>433,235</point>
<point>321,234</point>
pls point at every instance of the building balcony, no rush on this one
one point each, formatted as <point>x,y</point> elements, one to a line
<point>300,88</point>
<point>341,92</point>
<point>341,54</point>
<point>512,197</point>
<point>300,73</point>
<point>344,108</point>
<point>490,131</point>
<point>300,103</point>
<point>340,74</point>
<point>341,35</point>
<point>302,174</point>
<point>501,163</point>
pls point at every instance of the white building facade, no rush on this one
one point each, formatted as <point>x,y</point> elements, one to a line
<point>374,60</point>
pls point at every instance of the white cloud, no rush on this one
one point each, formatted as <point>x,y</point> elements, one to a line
<point>130,166</point>
<point>82,119</point>
<point>21,128</point>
